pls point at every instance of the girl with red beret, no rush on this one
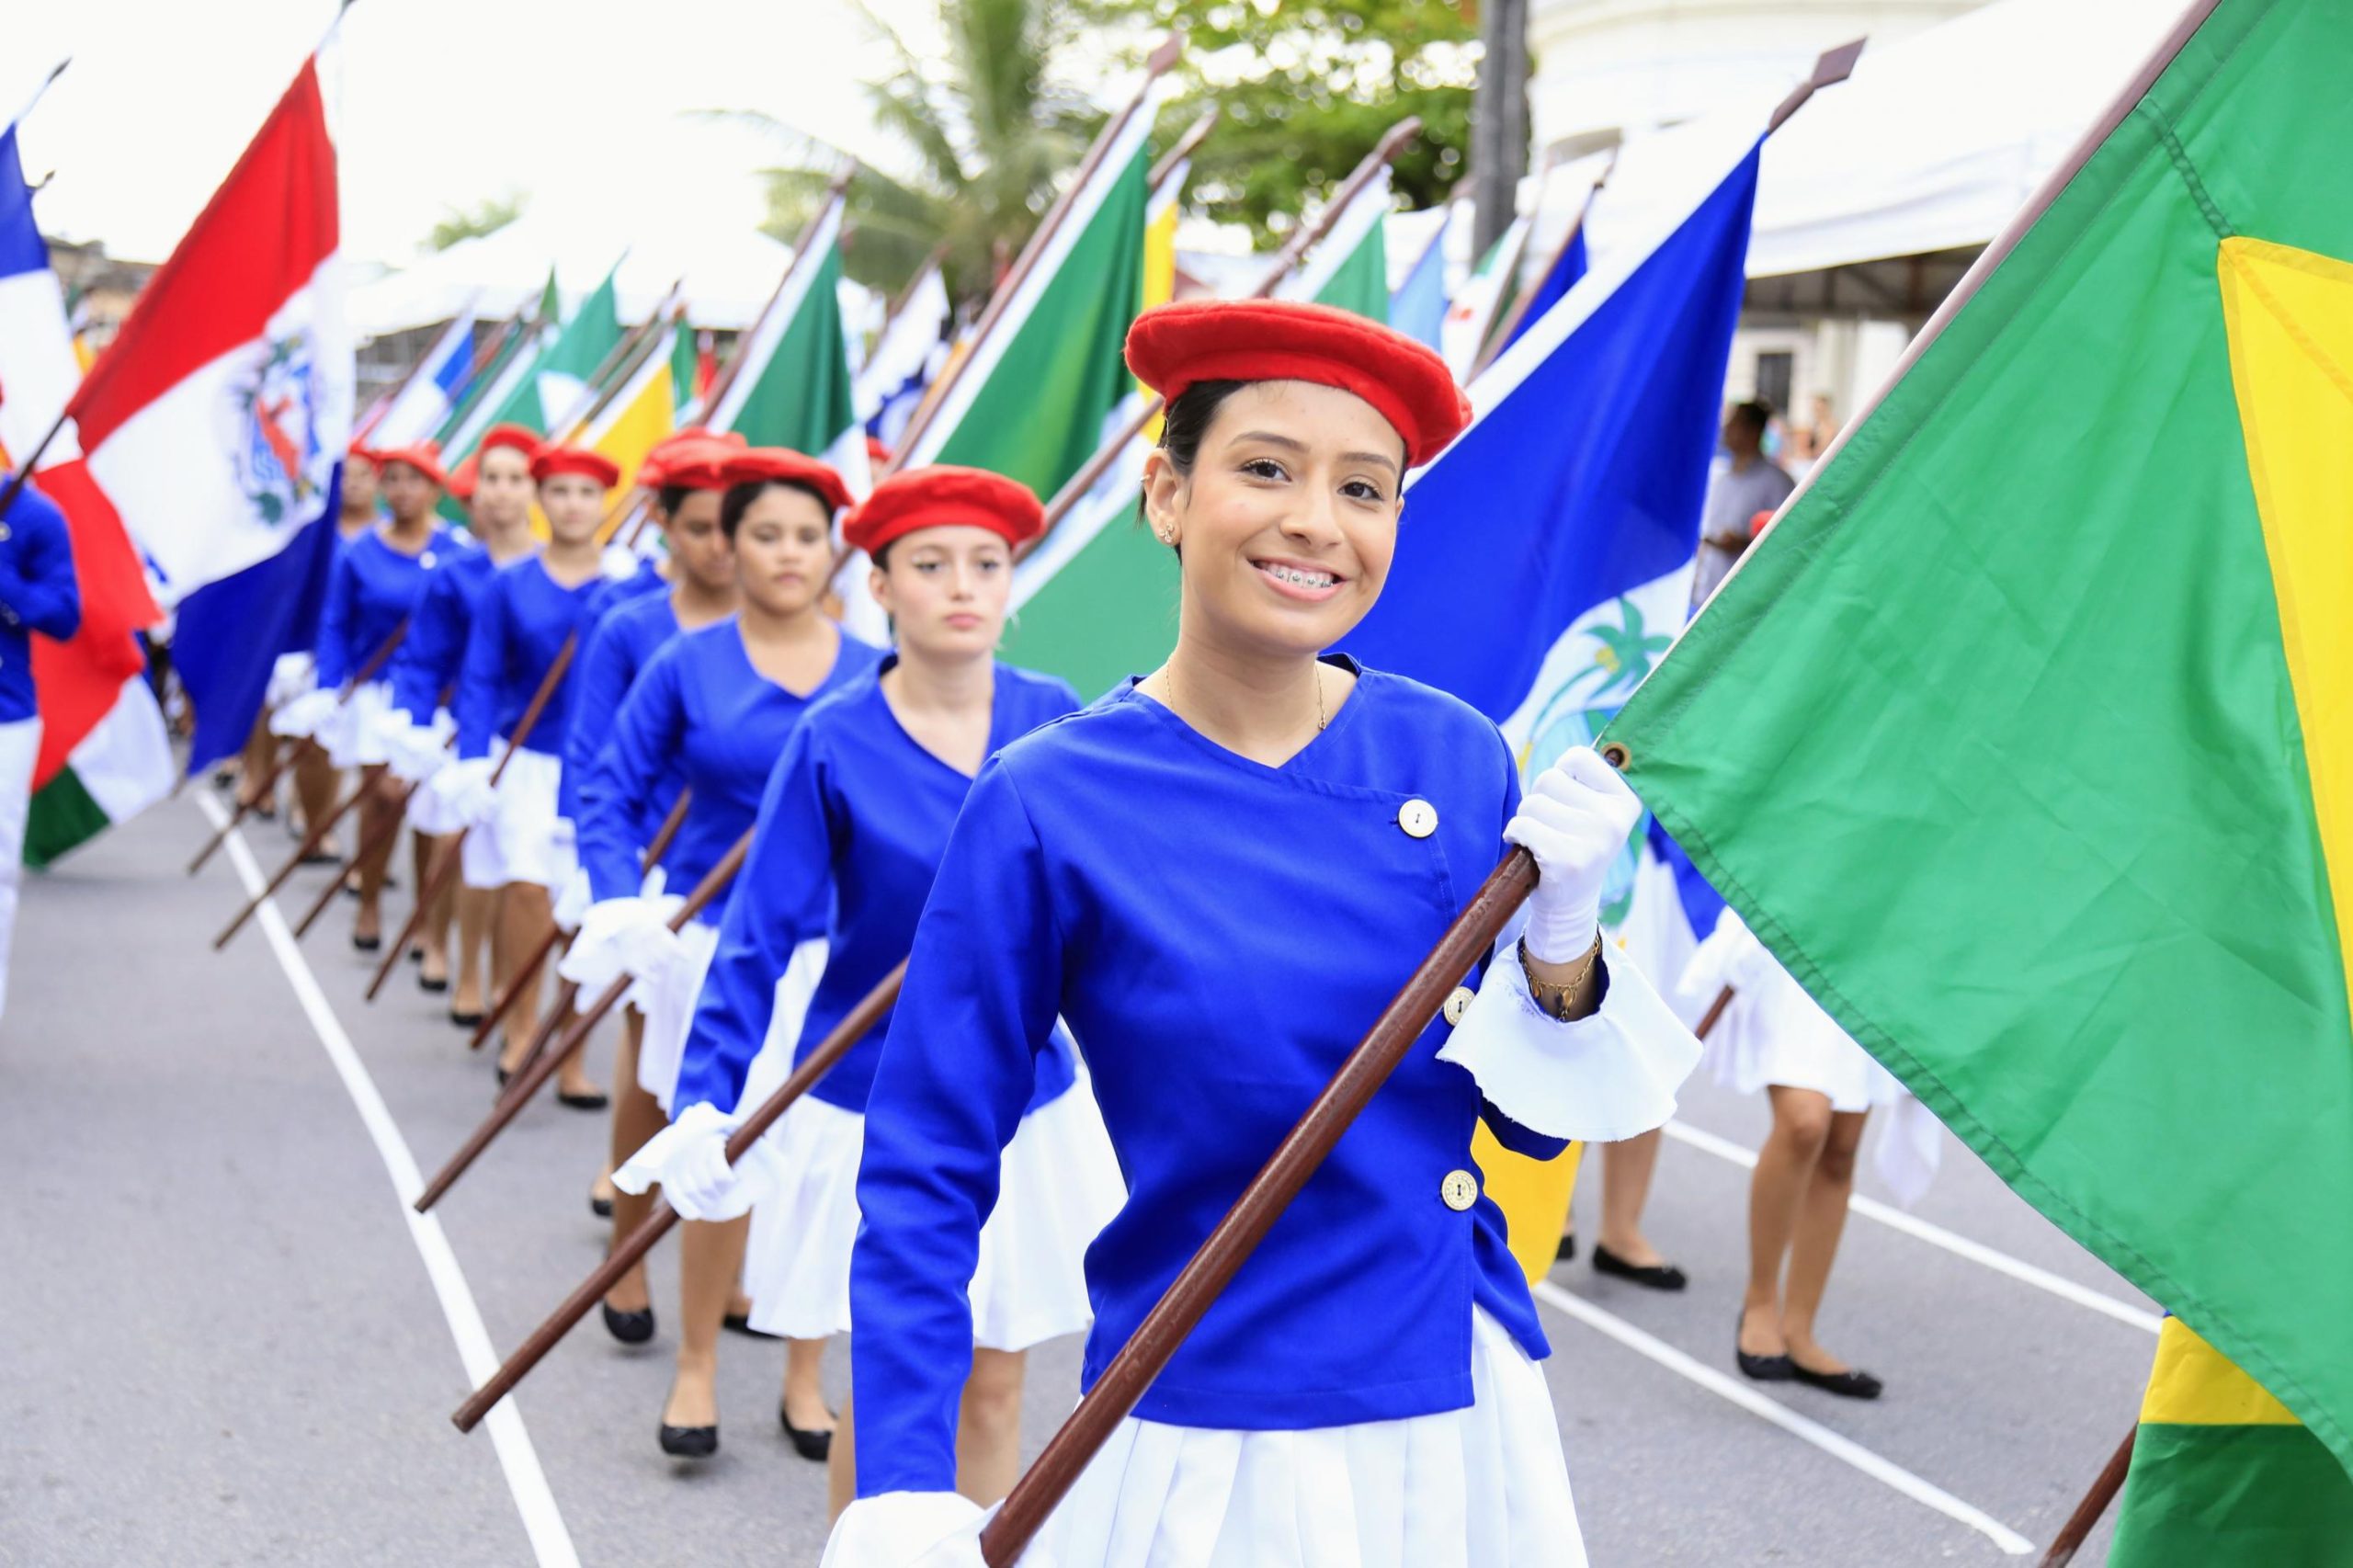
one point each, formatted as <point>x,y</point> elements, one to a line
<point>518,842</point>
<point>709,712</point>
<point>1219,875</point>
<point>855,817</point>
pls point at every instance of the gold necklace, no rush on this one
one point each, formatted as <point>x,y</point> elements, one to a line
<point>1168,676</point>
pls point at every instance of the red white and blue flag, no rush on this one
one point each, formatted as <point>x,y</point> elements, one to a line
<point>217,418</point>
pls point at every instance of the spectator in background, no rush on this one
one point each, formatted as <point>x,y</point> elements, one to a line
<point>1746,484</point>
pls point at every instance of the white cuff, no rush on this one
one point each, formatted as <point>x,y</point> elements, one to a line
<point>301,718</point>
<point>623,935</point>
<point>415,752</point>
<point>1601,1079</point>
<point>908,1530</point>
<point>1730,956</point>
<point>572,904</point>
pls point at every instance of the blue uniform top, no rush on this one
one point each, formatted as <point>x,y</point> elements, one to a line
<point>424,669</point>
<point>856,816</point>
<point>627,631</point>
<point>1219,934</point>
<point>521,621</point>
<point>38,592</point>
<point>372,586</point>
<point>701,715</point>
<point>615,592</point>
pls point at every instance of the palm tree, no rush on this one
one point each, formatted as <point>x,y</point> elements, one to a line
<point>991,132</point>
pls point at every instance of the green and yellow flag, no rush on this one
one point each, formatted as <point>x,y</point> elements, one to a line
<point>2223,1474</point>
<point>2025,737</point>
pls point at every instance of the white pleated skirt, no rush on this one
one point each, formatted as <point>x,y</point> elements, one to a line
<point>1485,1487</point>
<point>525,840</point>
<point>354,733</point>
<point>1059,1186</point>
<point>667,1002</point>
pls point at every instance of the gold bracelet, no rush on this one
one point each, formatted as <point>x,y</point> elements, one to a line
<point>1554,999</point>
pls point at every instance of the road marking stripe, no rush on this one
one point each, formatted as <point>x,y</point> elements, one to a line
<point>1885,1471</point>
<point>1937,1236</point>
<point>550,1542</point>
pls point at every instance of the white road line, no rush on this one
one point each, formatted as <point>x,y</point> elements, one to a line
<point>1937,1236</point>
<point>550,1542</point>
<point>1885,1471</point>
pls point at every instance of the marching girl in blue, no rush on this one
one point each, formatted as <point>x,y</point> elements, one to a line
<point>709,712</point>
<point>851,828</point>
<point>377,582</point>
<point>497,497</point>
<point>520,844</point>
<point>38,593</point>
<point>1219,875</point>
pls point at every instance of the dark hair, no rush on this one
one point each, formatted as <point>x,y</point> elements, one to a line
<point>1183,427</point>
<point>740,498</point>
<point>1756,413</point>
<point>672,496</point>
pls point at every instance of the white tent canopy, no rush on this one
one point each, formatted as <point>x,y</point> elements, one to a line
<point>729,268</point>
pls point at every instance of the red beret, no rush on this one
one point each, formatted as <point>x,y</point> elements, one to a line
<point>461,482</point>
<point>550,459</point>
<point>423,456</point>
<point>696,463</point>
<point>1172,347</point>
<point>942,496</point>
<point>365,454</point>
<point>753,465</point>
<point>513,436</point>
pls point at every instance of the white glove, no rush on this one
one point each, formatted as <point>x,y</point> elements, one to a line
<point>623,935</point>
<point>1575,819</point>
<point>301,718</point>
<point>908,1530</point>
<point>414,752</point>
<point>572,902</point>
<point>619,564</point>
<point>462,794</point>
<point>689,1159</point>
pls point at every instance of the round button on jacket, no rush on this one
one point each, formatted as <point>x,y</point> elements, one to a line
<point>1460,1189</point>
<point>1419,818</point>
<point>1458,1002</point>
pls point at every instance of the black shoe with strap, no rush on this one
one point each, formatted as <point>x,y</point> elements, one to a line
<point>1649,1276</point>
<point>817,1446</point>
<point>1848,1384</point>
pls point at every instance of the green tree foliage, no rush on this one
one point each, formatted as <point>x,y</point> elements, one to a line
<point>992,125</point>
<point>1306,88</point>
<point>486,217</point>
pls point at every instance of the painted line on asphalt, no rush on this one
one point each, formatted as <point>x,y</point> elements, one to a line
<point>1886,1472</point>
<point>550,1542</point>
<point>1911,1225</point>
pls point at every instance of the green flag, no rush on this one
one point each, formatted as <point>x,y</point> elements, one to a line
<point>2025,737</point>
<point>554,386</point>
<point>791,386</point>
<point>1350,268</point>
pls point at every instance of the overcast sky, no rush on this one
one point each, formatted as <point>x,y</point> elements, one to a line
<point>440,103</point>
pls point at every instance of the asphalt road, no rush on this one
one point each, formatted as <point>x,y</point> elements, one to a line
<point>227,1342</point>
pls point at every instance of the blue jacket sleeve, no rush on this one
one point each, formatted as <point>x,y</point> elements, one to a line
<point>40,592</point>
<point>983,985</point>
<point>781,899</point>
<point>431,649</point>
<point>334,622</point>
<point>619,778</point>
<point>600,681</point>
<point>482,674</point>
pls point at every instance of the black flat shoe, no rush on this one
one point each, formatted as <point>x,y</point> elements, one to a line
<point>416,955</point>
<point>1848,1384</point>
<point>1761,1368</point>
<point>689,1442</point>
<point>629,1328</point>
<point>368,944</point>
<point>600,1207</point>
<point>427,982</point>
<point>816,1446</point>
<point>1567,1249</point>
<point>742,1323</point>
<point>583,1102</point>
<point>503,1075</point>
<point>464,1021</point>
<point>322,857</point>
<point>1651,1276</point>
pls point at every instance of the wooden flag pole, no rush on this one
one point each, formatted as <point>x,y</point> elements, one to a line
<point>383,833</point>
<point>278,765</point>
<point>1171,49</point>
<point>1302,1150</point>
<point>530,970</point>
<point>658,1224</point>
<point>1186,146</point>
<point>445,867</point>
<point>642,344</point>
<point>2078,1527</point>
<point>526,1082</point>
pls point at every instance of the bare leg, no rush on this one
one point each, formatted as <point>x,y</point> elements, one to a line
<point>1626,1169</point>
<point>1821,1217</point>
<point>710,1258</point>
<point>254,763</point>
<point>637,1116</point>
<point>804,1389</point>
<point>1784,1168</point>
<point>316,779</point>
<point>841,1465</point>
<point>475,908</point>
<point>444,907</point>
<point>513,936</point>
<point>988,1430</point>
<point>374,813</point>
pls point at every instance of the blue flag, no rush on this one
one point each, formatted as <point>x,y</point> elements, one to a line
<point>1544,560</point>
<point>1553,287</point>
<point>1417,308</point>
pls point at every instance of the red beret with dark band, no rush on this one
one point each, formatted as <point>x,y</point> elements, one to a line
<point>782,466</point>
<point>550,461</point>
<point>1173,346</point>
<point>943,496</point>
